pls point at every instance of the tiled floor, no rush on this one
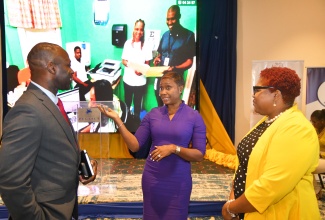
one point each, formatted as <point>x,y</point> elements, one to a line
<point>321,205</point>
<point>120,181</point>
<point>210,182</point>
<point>204,218</point>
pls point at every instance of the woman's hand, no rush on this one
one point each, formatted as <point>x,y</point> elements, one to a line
<point>162,151</point>
<point>108,111</point>
<point>138,73</point>
<point>225,214</point>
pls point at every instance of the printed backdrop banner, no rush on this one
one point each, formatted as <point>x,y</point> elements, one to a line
<point>315,95</point>
<point>259,65</point>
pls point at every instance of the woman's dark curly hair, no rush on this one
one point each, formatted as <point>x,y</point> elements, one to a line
<point>319,115</point>
<point>284,79</point>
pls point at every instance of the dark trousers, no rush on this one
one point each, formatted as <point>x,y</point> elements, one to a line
<point>83,90</point>
<point>136,93</point>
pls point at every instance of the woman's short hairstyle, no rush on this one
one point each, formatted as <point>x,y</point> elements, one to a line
<point>178,79</point>
<point>284,79</point>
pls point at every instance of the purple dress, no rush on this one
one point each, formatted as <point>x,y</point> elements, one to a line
<point>167,184</point>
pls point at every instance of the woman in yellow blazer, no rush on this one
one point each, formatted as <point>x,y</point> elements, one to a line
<point>317,118</point>
<point>276,158</point>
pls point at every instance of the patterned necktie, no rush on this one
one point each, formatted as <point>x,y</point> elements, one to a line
<point>61,107</point>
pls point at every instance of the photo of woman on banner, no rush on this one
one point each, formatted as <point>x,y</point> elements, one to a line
<point>137,51</point>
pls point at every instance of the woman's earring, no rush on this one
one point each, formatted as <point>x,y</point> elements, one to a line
<point>274,104</point>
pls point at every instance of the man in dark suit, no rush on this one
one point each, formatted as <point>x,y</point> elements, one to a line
<point>39,156</point>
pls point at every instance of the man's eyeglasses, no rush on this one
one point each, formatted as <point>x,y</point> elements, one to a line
<point>258,88</point>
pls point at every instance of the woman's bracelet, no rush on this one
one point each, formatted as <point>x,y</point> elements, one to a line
<point>233,215</point>
<point>120,125</point>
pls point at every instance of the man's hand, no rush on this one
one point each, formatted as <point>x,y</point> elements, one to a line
<point>93,177</point>
<point>170,68</point>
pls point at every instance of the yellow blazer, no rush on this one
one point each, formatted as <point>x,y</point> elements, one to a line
<point>322,141</point>
<point>279,180</point>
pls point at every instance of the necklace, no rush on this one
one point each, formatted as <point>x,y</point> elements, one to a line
<point>273,119</point>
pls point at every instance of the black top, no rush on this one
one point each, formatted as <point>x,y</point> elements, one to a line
<point>244,150</point>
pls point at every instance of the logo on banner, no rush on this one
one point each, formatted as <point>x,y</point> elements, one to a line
<point>88,115</point>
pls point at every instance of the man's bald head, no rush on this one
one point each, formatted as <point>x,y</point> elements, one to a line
<point>41,54</point>
<point>50,66</point>
<point>176,9</point>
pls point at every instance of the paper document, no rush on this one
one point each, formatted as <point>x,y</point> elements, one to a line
<point>145,69</point>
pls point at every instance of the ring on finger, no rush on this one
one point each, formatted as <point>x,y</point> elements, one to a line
<point>158,155</point>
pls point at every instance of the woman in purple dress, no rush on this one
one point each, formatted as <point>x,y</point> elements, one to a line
<point>178,136</point>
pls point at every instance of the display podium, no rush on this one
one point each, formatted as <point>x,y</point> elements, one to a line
<point>94,131</point>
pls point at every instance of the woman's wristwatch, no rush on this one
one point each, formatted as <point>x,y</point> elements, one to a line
<point>177,150</point>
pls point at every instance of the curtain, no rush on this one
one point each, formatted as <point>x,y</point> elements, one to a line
<point>37,14</point>
<point>217,51</point>
<point>219,148</point>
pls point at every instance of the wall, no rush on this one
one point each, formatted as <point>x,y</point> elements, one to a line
<point>275,30</point>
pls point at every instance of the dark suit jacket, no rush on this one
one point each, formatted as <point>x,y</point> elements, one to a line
<point>39,160</point>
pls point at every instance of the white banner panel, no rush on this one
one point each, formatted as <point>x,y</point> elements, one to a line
<point>315,95</point>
